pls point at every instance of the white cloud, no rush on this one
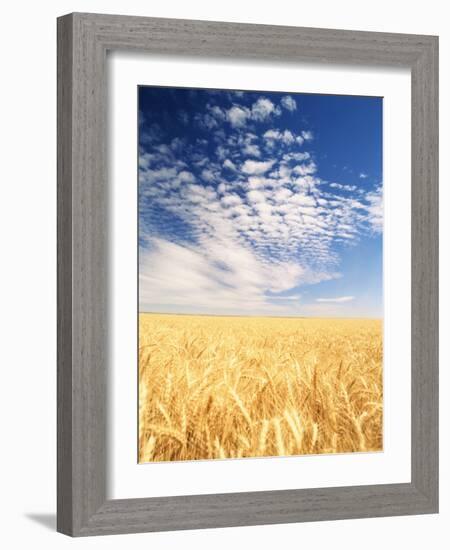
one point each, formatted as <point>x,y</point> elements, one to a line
<point>217,112</point>
<point>227,163</point>
<point>264,209</point>
<point>286,137</point>
<point>259,182</point>
<point>223,188</point>
<point>303,200</point>
<point>177,145</point>
<point>206,121</point>
<point>211,119</point>
<point>272,134</point>
<point>198,193</point>
<point>296,156</point>
<point>343,187</point>
<point>251,150</point>
<point>208,175</point>
<point>375,209</point>
<point>281,195</point>
<point>237,116</point>
<point>221,152</point>
<point>222,276</point>
<point>256,196</point>
<point>231,200</point>
<point>289,103</point>
<point>362,175</point>
<point>263,108</point>
<point>152,176</point>
<point>256,167</point>
<point>339,300</point>
<point>186,177</point>
<point>305,169</point>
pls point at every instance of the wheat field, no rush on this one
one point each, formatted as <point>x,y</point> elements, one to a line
<point>233,387</point>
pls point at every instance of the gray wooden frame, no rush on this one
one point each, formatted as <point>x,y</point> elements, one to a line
<point>83,40</point>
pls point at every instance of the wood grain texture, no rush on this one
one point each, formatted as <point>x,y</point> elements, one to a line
<point>64,267</point>
<point>425,273</point>
<point>83,40</point>
<point>83,249</point>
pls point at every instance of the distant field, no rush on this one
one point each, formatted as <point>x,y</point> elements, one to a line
<point>230,387</point>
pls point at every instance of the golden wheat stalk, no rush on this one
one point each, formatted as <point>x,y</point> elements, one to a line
<point>223,387</point>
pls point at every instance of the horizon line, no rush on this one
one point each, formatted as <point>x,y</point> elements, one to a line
<point>254,315</point>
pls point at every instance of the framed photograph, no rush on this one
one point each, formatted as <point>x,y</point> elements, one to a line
<point>247,274</point>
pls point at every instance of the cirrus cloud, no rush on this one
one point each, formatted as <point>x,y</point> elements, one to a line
<point>255,167</point>
<point>338,300</point>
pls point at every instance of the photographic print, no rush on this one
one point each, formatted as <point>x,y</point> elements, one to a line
<point>260,274</point>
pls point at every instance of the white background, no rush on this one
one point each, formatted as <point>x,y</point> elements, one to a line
<point>127,479</point>
<point>28,303</point>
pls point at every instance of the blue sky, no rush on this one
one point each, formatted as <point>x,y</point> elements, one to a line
<point>260,203</point>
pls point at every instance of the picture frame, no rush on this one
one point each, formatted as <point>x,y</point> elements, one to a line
<point>84,39</point>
